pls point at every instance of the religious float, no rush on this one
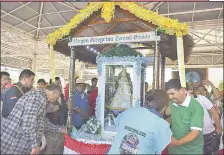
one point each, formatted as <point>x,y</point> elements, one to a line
<point>121,69</point>
<point>121,75</point>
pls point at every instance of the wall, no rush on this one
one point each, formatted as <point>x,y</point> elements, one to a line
<point>215,75</point>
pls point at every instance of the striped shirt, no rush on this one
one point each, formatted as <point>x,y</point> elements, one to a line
<point>24,127</point>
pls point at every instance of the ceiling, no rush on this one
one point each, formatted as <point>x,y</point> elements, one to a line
<point>24,26</point>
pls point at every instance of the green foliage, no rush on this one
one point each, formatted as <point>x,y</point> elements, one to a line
<point>121,51</point>
<point>159,31</point>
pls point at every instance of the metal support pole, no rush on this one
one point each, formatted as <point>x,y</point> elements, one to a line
<point>83,67</point>
<point>156,66</point>
<point>71,88</point>
<point>158,70</point>
<point>162,77</point>
<point>34,62</point>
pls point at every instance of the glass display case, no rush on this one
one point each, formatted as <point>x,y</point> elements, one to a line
<point>121,85</point>
<point>118,92</point>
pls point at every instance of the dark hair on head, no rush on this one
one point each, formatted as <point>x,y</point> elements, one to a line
<point>202,87</point>
<point>53,87</point>
<point>146,83</point>
<point>50,81</point>
<point>26,73</point>
<point>4,73</point>
<point>41,81</point>
<point>173,84</point>
<point>57,78</point>
<point>158,96</point>
<point>94,79</point>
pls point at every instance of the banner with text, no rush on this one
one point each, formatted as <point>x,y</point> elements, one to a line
<point>112,39</point>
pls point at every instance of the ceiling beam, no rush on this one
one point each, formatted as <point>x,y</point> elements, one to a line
<point>17,31</point>
<point>108,30</point>
<point>206,40</point>
<point>17,57</point>
<point>220,12</point>
<point>48,13</point>
<point>26,21</point>
<point>202,38</point>
<point>211,35</point>
<point>168,9</point>
<point>199,66</point>
<point>192,18</point>
<point>126,32</point>
<point>85,25</point>
<point>20,19</point>
<point>39,20</point>
<point>208,45</point>
<point>7,13</point>
<point>71,7</point>
<point>42,17</point>
<point>16,66</point>
<point>219,60</point>
<point>130,15</point>
<point>156,7</point>
<point>193,25</point>
<point>189,12</point>
<point>205,54</point>
<point>58,13</point>
<point>116,20</point>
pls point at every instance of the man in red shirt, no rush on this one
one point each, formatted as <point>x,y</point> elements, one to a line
<point>66,90</point>
<point>92,100</point>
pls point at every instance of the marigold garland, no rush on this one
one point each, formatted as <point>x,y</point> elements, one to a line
<point>169,26</point>
<point>74,22</point>
<point>107,12</point>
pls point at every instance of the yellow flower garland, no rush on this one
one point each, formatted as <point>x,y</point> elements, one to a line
<point>170,26</point>
<point>74,22</point>
<point>107,12</point>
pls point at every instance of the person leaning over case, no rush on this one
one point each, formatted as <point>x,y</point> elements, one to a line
<point>23,130</point>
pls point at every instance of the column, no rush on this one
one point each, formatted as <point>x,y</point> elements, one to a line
<point>71,88</point>
<point>162,77</point>
<point>156,64</point>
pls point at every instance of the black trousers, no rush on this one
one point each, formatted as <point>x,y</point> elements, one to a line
<point>54,143</point>
<point>211,143</point>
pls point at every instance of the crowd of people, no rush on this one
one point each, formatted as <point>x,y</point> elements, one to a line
<point>180,120</point>
<point>28,113</point>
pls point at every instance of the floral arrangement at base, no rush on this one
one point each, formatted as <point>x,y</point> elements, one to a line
<point>92,126</point>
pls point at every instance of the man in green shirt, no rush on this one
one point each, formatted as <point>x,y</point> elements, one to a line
<point>186,120</point>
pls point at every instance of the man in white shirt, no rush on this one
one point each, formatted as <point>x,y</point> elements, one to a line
<point>211,134</point>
